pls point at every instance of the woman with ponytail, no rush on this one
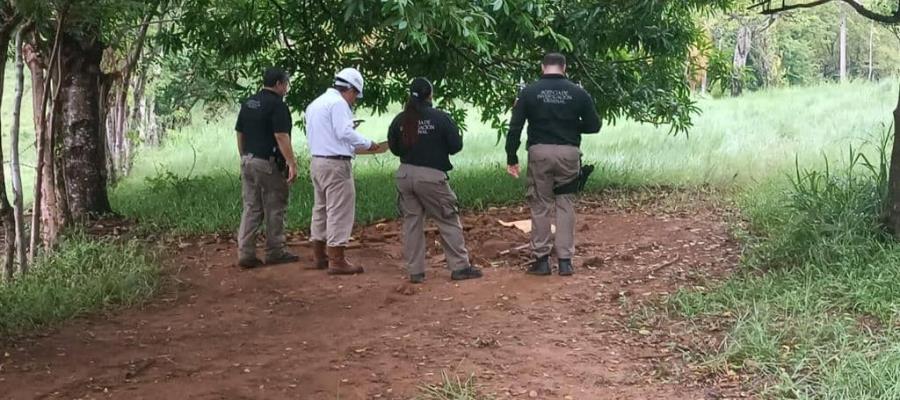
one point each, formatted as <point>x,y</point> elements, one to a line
<point>424,138</point>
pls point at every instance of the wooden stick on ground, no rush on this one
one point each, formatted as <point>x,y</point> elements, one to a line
<point>307,243</point>
<point>517,248</point>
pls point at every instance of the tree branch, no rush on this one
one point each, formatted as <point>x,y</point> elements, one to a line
<point>281,24</point>
<point>139,41</point>
<point>767,6</point>
<point>883,18</point>
<point>889,19</point>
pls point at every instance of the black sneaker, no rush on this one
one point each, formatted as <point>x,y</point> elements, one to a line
<point>249,263</point>
<point>541,267</point>
<point>565,267</point>
<point>466,273</point>
<point>417,278</point>
<point>283,257</point>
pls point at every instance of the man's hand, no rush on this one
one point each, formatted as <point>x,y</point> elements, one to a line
<point>292,172</point>
<point>375,148</point>
<point>513,170</point>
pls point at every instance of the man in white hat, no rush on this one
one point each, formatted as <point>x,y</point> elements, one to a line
<point>333,142</point>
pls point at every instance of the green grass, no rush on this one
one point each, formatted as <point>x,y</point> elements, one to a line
<point>83,276</point>
<point>190,185</point>
<point>452,388</point>
<point>815,310</point>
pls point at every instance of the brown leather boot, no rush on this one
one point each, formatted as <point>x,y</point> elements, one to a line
<point>320,257</point>
<point>338,265</point>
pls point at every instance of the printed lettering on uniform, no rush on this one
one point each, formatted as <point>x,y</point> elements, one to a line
<point>425,126</point>
<point>253,104</point>
<point>550,96</point>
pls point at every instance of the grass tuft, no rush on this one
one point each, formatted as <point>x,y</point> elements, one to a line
<point>452,388</point>
<point>85,275</point>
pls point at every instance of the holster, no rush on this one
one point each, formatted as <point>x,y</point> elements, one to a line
<point>280,163</point>
<point>576,185</point>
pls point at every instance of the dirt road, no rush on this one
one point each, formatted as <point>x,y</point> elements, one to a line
<point>282,332</point>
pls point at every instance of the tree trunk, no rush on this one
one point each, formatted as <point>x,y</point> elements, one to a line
<point>118,119</point>
<point>843,46</point>
<point>117,111</point>
<point>47,220</point>
<point>59,166</point>
<point>871,49</point>
<point>893,209</point>
<point>741,51</point>
<point>38,81</point>
<point>15,172</point>
<point>144,113</point>
<point>84,161</point>
<point>108,126</point>
<point>6,212</point>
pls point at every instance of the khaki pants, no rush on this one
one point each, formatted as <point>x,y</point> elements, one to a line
<point>549,166</point>
<point>265,193</point>
<point>425,192</point>
<point>334,207</point>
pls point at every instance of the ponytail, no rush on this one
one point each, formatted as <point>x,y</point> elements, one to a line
<point>419,94</point>
<point>410,125</point>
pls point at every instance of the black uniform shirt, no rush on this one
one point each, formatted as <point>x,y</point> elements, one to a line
<point>261,116</point>
<point>438,139</point>
<point>558,112</point>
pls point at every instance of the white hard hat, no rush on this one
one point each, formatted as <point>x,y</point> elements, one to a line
<point>350,77</point>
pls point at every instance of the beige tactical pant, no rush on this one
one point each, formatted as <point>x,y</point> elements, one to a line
<point>265,193</point>
<point>549,166</point>
<point>425,192</point>
<point>334,206</point>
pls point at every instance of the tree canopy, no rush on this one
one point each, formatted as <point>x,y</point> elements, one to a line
<point>630,55</point>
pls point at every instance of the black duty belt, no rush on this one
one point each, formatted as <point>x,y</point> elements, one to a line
<point>267,158</point>
<point>334,157</point>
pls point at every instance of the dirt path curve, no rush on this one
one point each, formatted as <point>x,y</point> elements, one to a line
<point>287,333</point>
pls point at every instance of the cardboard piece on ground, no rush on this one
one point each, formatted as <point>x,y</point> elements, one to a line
<point>523,225</point>
<point>382,148</point>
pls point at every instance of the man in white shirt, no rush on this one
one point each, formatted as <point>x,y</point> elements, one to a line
<point>333,142</point>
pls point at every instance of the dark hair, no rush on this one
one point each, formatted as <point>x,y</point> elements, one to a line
<point>419,91</point>
<point>554,59</point>
<point>274,75</point>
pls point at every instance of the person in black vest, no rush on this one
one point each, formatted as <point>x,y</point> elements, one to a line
<point>268,168</point>
<point>558,111</point>
<point>424,138</point>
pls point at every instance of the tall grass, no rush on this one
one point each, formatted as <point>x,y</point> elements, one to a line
<point>815,311</point>
<point>82,276</point>
<point>734,142</point>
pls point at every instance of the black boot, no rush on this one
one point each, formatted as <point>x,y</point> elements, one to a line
<point>281,257</point>
<point>249,262</point>
<point>565,267</point>
<point>466,273</point>
<point>541,266</point>
<point>417,278</point>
